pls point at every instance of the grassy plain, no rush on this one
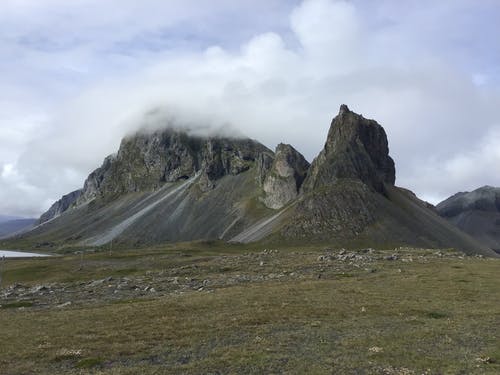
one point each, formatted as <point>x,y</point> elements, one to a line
<point>220,309</point>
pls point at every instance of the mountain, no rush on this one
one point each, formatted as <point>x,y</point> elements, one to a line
<point>175,185</point>
<point>476,213</point>
<point>349,197</point>
<point>62,205</point>
<point>9,227</point>
<point>164,186</point>
<point>4,218</point>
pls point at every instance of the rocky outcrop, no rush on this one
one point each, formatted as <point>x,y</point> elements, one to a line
<point>341,211</point>
<point>285,177</point>
<point>476,213</point>
<point>224,156</point>
<point>263,164</point>
<point>146,161</point>
<point>344,181</point>
<point>356,148</point>
<point>60,206</point>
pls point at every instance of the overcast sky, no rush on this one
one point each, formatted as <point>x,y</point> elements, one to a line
<point>75,76</point>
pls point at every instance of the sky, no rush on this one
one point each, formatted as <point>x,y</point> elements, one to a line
<point>76,76</point>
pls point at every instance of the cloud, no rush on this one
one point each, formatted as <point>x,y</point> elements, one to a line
<point>275,82</point>
<point>463,169</point>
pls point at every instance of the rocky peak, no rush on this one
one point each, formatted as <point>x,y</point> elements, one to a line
<point>285,176</point>
<point>147,160</point>
<point>66,202</point>
<point>226,156</point>
<point>356,148</point>
<point>343,109</point>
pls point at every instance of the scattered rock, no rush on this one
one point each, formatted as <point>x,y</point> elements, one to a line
<point>324,258</point>
<point>96,283</point>
<point>66,304</point>
<point>391,257</point>
<point>484,359</point>
<point>368,250</point>
<point>310,265</point>
<point>38,289</point>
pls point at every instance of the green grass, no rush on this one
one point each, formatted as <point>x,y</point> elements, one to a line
<point>403,318</point>
<point>16,305</point>
<point>436,315</point>
<point>87,363</point>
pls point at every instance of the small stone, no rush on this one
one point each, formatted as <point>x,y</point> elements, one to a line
<point>66,304</point>
<point>391,257</point>
<point>96,282</point>
<point>485,359</point>
<point>39,289</point>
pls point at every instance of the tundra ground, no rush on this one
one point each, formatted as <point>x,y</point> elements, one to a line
<point>220,309</point>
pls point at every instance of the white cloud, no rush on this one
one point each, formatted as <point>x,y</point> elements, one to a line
<point>463,169</point>
<point>281,84</point>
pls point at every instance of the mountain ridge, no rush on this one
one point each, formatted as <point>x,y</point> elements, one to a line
<point>476,213</point>
<point>169,186</point>
<point>10,227</point>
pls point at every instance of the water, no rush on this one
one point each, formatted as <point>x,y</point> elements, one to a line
<point>19,254</point>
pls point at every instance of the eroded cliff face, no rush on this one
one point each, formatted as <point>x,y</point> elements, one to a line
<point>344,181</point>
<point>63,204</point>
<point>284,177</point>
<point>146,161</point>
<point>356,148</point>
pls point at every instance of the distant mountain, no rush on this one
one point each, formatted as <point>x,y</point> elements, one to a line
<point>4,218</point>
<point>9,227</point>
<point>477,213</point>
<point>172,185</point>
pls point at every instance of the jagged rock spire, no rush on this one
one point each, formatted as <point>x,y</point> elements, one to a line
<point>355,148</point>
